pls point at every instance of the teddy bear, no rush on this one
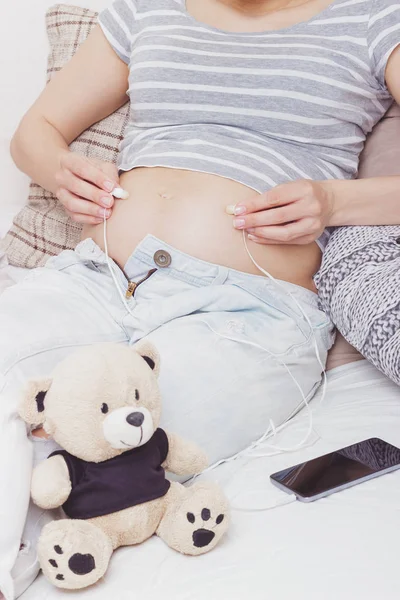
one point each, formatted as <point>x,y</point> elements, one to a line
<point>102,405</point>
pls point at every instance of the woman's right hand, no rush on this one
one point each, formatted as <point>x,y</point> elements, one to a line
<point>84,187</point>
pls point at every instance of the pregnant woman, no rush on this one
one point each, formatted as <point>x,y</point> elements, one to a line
<point>245,116</point>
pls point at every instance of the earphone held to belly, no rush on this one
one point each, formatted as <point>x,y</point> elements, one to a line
<point>271,431</point>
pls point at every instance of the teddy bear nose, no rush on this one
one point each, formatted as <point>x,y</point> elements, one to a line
<point>135,419</point>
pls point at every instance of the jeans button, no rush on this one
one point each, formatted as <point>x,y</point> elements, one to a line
<point>162,258</point>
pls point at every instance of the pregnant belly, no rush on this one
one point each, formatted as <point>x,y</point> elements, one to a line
<point>186,209</point>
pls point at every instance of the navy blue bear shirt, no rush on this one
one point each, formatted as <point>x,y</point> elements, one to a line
<point>134,477</point>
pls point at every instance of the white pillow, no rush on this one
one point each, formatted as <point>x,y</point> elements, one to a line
<point>23,57</point>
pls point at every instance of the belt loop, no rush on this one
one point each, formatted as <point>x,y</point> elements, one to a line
<point>222,276</point>
<point>89,250</point>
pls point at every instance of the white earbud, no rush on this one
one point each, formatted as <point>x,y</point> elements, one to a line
<point>119,193</point>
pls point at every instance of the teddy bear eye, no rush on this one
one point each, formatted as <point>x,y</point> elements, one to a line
<point>136,394</point>
<point>104,408</point>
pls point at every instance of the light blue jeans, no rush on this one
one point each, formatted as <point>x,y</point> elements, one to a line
<point>216,391</point>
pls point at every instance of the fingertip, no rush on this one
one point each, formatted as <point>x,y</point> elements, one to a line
<point>240,209</point>
<point>107,201</point>
<point>108,185</point>
<point>236,209</point>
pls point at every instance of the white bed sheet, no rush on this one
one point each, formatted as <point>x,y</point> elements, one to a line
<point>345,547</point>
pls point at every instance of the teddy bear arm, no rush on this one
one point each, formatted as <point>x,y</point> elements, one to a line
<point>51,484</point>
<point>184,457</point>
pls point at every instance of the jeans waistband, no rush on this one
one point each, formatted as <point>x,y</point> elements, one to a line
<point>194,270</point>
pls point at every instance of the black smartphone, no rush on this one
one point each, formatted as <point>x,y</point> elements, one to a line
<point>338,470</point>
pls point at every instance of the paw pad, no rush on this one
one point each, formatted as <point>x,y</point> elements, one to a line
<point>79,564</point>
<point>206,514</point>
<point>82,564</point>
<point>203,537</point>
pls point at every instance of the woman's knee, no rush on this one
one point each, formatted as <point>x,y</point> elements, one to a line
<point>23,318</point>
<point>47,315</point>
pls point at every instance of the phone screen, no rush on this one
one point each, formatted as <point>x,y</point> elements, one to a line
<point>346,466</point>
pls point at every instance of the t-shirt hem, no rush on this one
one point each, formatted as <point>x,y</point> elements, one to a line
<point>105,512</point>
<point>129,167</point>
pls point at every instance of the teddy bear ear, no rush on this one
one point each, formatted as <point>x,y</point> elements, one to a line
<point>32,407</point>
<point>150,354</point>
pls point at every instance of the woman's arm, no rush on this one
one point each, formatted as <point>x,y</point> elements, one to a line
<point>89,88</point>
<point>372,201</point>
<point>298,212</point>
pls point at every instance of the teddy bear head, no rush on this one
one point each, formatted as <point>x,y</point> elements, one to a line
<point>101,401</point>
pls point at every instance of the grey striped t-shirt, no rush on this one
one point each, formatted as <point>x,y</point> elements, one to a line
<point>258,108</point>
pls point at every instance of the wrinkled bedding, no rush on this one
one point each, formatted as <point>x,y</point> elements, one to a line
<point>344,547</point>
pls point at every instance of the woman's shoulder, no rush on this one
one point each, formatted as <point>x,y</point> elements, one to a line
<point>123,20</point>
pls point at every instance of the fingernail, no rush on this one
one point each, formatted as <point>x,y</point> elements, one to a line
<point>120,193</point>
<point>238,223</point>
<point>103,212</point>
<point>109,186</point>
<point>239,210</point>
<point>233,209</point>
<point>107,202</point>
<point>252,237</point>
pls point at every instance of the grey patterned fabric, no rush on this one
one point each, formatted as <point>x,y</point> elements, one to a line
<point>359,288</point>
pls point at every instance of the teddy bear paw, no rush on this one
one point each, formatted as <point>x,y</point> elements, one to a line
<point>73,554</point>
<point>198,522</point>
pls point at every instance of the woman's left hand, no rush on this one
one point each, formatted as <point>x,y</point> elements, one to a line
<point>291,213</point>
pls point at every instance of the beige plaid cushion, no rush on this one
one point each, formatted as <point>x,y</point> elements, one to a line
<point>42,228</point>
